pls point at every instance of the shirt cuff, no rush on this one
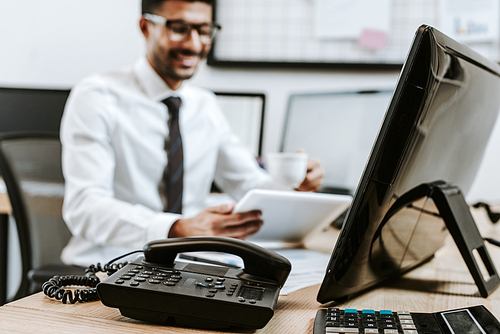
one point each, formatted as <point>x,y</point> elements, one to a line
<point>159,226</point>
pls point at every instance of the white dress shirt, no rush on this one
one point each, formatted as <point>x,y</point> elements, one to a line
<point>113,132</point>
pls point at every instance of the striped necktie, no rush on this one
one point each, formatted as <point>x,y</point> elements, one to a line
<point>174,173</point>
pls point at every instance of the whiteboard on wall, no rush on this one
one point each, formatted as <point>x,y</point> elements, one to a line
<point>285,33</point>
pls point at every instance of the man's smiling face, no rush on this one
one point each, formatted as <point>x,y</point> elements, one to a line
<point>176,61</point>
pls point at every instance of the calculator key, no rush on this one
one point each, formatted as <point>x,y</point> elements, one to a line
<point>385,312</point>
<point>390,331</point>
<point>405,317</point>
<point>406,321</point>
<point>371,330</point>
<point>408,327</point>
<point>332,324</point>
<point>350,311</point>
<point>409,331</point>
<point>341,330</point>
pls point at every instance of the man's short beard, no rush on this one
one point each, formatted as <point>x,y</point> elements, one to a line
<point>167,71</point>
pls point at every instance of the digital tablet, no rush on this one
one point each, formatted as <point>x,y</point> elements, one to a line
<point>289,216</point>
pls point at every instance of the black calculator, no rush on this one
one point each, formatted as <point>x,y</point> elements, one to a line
<point>471,320</point>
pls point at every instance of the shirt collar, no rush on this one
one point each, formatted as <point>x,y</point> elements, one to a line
<point>152,84</point>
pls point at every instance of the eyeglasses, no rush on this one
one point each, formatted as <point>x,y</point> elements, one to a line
<point>180,31</point>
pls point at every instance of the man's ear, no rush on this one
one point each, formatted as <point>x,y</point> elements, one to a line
<point>144,26</point>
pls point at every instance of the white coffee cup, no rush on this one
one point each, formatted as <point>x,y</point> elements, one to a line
<point>287,169</point>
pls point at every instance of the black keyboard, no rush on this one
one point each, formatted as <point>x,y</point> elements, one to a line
<point>471,320</point>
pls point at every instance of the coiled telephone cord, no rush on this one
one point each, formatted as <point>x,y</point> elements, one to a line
<point>53,288</point>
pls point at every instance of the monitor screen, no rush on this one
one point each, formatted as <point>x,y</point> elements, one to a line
<point>26,109</point>
<point>338,129</point>
<point>436,128</point>
<point>245,114</point>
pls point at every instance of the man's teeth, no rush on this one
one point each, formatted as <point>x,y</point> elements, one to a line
<point>188,60</point>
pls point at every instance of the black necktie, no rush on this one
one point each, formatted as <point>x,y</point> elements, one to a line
<point>174,173</point>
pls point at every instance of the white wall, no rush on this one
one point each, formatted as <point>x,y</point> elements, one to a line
<point>55,43</point>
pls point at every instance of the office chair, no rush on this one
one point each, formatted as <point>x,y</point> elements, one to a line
<point>31,167</point>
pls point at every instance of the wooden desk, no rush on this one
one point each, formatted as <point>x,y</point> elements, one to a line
<point>443,283</point>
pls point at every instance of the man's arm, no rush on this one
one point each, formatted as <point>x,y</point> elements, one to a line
<point>219,221</point>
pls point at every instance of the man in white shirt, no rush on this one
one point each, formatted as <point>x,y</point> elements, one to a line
<point>113,133</point>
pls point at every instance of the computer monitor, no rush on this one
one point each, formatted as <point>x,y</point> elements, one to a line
<point>338,129</point>
<point>27,109</point>
<point>245,114</point>
<point>436,128</point>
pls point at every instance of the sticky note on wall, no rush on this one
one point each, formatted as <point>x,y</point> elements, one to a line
<point>372,39</point>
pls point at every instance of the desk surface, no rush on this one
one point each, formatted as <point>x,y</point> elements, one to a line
<point>443,283</point>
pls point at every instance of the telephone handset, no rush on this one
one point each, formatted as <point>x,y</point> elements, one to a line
<point>158,289</point>
<point>257,261</point>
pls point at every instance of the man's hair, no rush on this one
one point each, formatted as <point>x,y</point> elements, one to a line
<point>151,6</point>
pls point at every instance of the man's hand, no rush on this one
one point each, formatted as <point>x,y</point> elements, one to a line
<point>218,221</point>
<point>314,176</point>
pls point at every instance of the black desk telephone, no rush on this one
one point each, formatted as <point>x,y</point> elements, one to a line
<point>157,289</point>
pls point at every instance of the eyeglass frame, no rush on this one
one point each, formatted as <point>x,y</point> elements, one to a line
<point>164,21</point>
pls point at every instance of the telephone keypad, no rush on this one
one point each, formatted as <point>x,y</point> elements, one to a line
<point>145,276</point>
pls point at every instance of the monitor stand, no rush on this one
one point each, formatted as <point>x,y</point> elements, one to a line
<point>455,212</point>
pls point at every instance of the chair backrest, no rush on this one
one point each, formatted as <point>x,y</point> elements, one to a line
<point>29,109</point>
<point>31,168</point>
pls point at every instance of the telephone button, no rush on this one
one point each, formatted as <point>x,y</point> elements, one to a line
<point>169,283</point>
<point>168,271</point>
<point>241,299</point>
<point>144,275</point>
<point>140,279</point>
<point>147,272</point>
<point>204,285</point>
<point>213,290</point>
<point>154,281</point>
<point>119,281</point>
<point>134,283</point>
<point>221,279</point>
<point>125,277</point>
<point>220,286</point>
<point>209,279</point>
<point>252,301</point>
<point>210,295</point>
